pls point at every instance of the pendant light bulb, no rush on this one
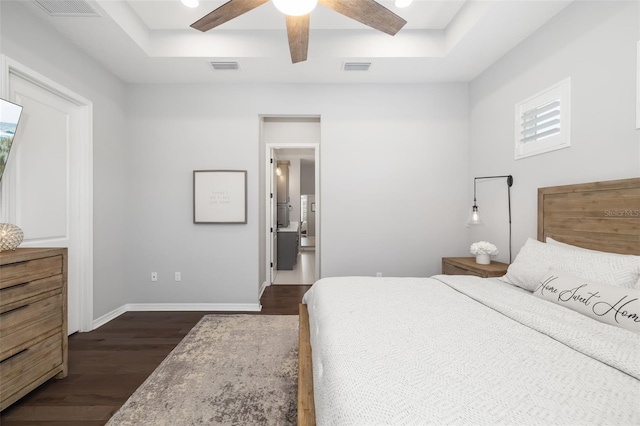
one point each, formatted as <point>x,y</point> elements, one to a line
<point>295,7</point>
<point>474,217</point>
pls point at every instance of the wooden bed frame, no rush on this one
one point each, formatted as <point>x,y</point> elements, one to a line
<point>600,216</point>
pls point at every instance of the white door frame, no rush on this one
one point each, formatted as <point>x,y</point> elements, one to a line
<point>84,207</point>
<point>267,182</point>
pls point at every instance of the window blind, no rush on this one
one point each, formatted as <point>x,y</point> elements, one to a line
<point>540,122</point>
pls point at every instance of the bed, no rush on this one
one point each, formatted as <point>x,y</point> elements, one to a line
<point>469,350</point>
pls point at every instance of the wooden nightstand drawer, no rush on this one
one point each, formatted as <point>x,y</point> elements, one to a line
<point>449,269</point>
<point>468,266</point>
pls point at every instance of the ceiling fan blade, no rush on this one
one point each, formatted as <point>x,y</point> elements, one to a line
<point>298,33</point>
<point>226,12</point>
<point>369,13</point>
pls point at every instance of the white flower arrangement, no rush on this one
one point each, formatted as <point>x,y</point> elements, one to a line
<point>484,247</point>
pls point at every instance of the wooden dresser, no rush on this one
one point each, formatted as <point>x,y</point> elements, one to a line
<point>33,320</point>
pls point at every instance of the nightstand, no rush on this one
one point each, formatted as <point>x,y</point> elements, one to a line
<point>468,266</point>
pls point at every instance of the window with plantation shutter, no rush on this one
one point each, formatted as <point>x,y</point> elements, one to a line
<point>543,121</point>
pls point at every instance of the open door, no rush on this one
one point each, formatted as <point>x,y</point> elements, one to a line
<point>273,208</point>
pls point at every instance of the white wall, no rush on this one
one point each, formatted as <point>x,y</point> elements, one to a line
<point>394,162</point>
<point>393,179</point>
<point>33,43</point>
<point>593,43</point>
<point>174,130</point>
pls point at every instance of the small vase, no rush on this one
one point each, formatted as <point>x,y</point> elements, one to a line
<point>483,259</point>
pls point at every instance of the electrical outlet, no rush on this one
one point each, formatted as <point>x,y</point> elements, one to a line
<point>154,276</point>
<point>378,274</point>
<point>178,276</point>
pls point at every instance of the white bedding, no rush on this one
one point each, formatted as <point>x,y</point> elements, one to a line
<point>464,350</point>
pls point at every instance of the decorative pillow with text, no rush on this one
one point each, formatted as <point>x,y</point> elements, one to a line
<point>609,304</point>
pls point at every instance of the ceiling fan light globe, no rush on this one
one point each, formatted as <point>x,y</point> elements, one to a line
<point>190,3</point>
<point>403,3</point>
<point>295,7</point>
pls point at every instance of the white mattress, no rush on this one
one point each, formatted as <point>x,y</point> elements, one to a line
<point>464,350</point>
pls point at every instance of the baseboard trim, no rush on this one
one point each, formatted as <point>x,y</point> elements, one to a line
<point>175,307</point>
<point>99,322</point>
<point>262,288</point>
<point>225,307</point>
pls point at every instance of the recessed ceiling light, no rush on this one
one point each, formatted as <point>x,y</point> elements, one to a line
<point>191,3</point>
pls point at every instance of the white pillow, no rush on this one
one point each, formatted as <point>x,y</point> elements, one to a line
<point>536,258</point>
<point>612,305</point>
<point>553,242</point>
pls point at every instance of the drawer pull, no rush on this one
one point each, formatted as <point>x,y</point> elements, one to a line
<point>14,309</point>
<point>15,286</point>
<point>14,355</point>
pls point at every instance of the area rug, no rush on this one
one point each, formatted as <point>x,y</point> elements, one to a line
<point>228,370</point>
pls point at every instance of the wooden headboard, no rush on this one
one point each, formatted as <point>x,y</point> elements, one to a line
<point>600,215</point>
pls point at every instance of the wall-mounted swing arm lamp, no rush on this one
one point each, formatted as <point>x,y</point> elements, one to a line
<point>474,219</point>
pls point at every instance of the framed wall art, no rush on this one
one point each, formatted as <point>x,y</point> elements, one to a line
<point>219,196</point>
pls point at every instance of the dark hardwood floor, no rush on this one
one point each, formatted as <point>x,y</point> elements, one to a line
<point>108,364</point>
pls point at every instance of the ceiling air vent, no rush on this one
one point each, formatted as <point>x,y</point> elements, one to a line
<point>68,7</point>
<point>356,66</point>
<point>225,65</point>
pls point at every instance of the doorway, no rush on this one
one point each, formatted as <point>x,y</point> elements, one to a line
<point>291,236</point>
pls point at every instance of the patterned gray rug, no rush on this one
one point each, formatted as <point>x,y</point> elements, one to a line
<point>228,370</point>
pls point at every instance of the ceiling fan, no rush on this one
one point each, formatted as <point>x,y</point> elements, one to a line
<point>368,12</point>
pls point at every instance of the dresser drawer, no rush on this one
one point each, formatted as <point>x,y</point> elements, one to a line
<point>30,365</point>
<point>14,293</point>
<point>30,270</point>
<point>26,322</point>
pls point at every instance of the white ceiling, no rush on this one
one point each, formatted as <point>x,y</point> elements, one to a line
<point>150,41</point>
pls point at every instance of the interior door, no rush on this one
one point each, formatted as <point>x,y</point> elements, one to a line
<point>274,216</point>
<point>45,178</point>
<point>311,216</point>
